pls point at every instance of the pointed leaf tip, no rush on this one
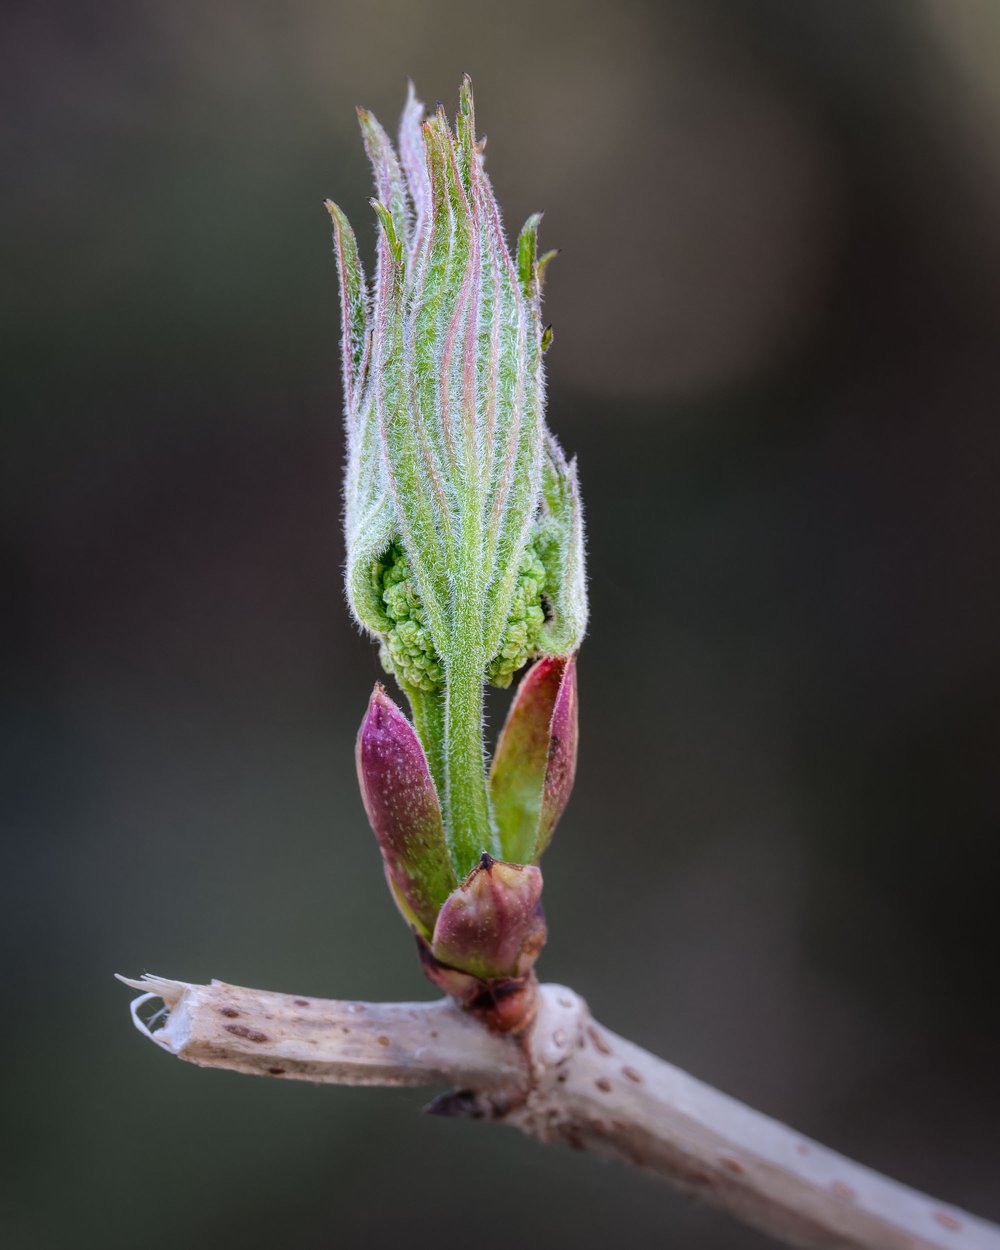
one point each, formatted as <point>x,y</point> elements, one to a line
<point>527,254</point>
<point>543,264</point>
<point>403,810</point>
<point>465,96</point>
<point>353,302</point>
<point>389,226</point>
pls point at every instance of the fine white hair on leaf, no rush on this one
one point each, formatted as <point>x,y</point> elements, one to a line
<point>444,391</point>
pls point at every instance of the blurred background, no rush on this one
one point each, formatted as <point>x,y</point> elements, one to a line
<point>776,318</point>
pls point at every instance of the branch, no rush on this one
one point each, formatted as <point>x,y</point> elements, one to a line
<point>330,1042</point>
<point>565,1079</point>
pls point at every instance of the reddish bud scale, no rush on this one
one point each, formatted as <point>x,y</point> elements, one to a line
<point>486,940</point>
<point>492,925</point>
<point>535,762</point>
<point>404,812</point>
<point>503,1004</point>
<point>560,771</point>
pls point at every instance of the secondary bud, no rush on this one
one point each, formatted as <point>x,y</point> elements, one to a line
<point>492,926</point>
<point>535,762</point>
<point>403,810</point>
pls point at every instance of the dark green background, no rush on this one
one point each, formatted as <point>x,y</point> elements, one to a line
<point>776,316</point>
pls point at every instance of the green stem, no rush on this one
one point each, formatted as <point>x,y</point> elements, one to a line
<point>428,720</point>
<point>468,818</point>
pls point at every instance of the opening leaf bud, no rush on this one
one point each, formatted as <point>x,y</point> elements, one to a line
<point>451,471</point>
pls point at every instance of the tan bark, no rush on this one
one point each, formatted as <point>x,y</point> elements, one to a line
<point>566,1079</point>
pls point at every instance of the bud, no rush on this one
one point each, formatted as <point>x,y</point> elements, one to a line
<point>463,521</point>
<point>465,557</point>
<point>492,926</point>
<point>450,467</point>
<point>486,940</point>
<point>404,812</point>
<point>535,762</point>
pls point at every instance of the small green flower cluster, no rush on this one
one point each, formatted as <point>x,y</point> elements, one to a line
<point>523,631</point>
<point>409,650</point>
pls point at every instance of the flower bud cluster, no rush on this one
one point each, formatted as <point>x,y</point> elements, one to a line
<point>450,467</point>
<point>408,648</point>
